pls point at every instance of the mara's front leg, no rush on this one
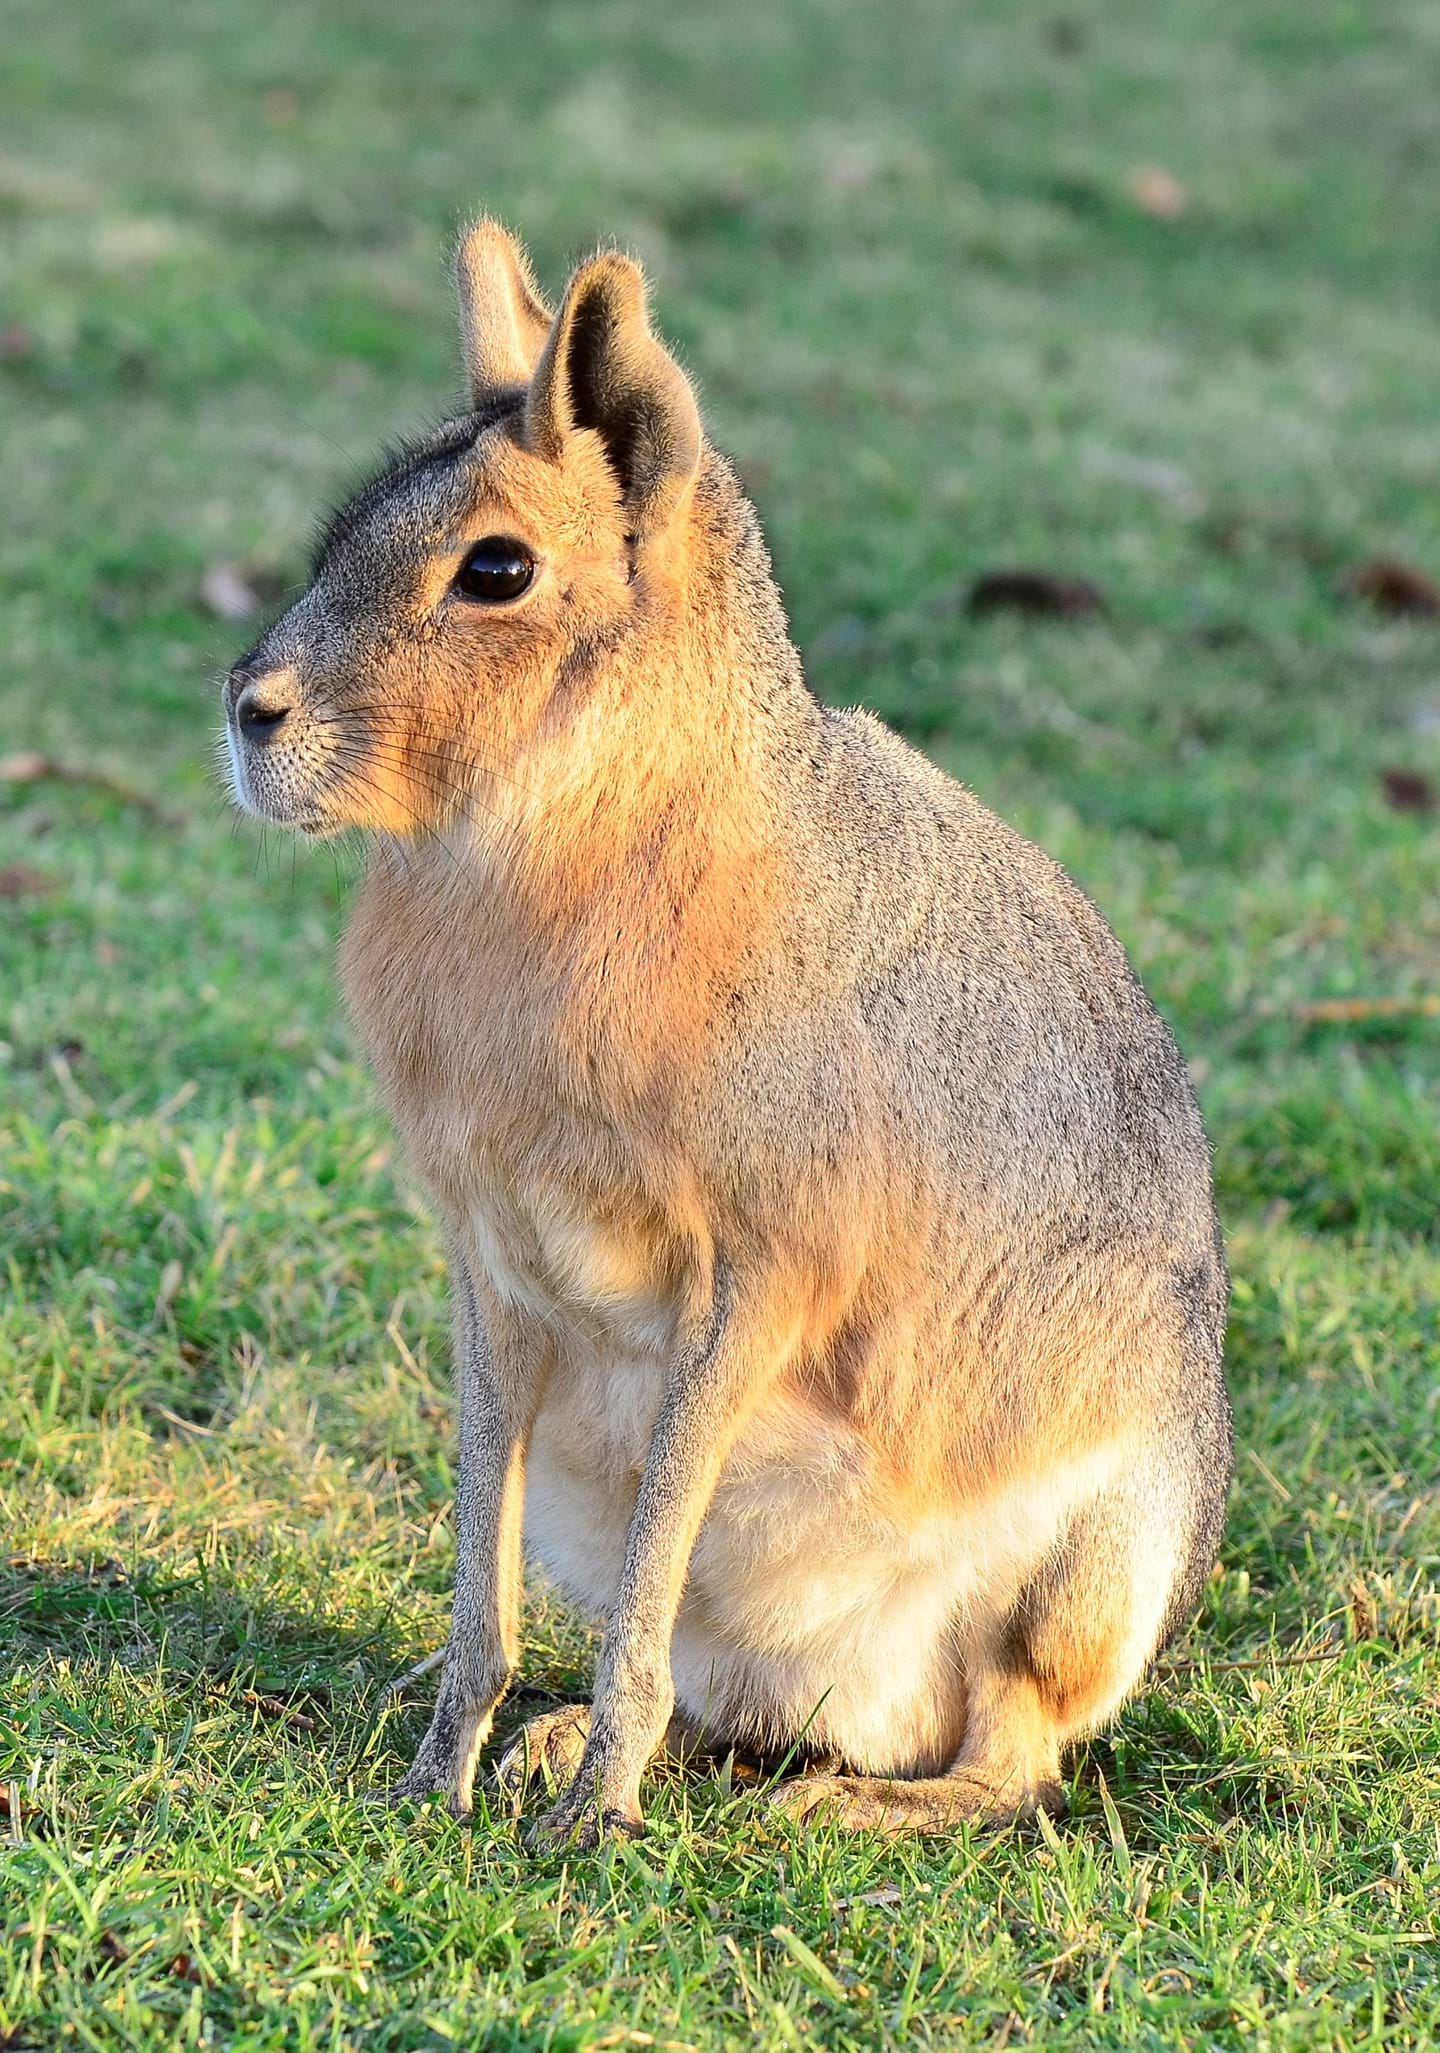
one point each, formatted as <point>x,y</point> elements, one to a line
<point>500,1368</point>
<point>705,1396</point>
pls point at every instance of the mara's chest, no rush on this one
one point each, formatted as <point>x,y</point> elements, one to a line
<point>448,1021</point>
<point>534,1088</point>
<point>602,1280</point>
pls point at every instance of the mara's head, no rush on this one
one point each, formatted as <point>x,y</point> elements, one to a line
<point>462,600</point>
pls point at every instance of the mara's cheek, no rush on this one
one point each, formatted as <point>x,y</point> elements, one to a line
<point>400,782</point>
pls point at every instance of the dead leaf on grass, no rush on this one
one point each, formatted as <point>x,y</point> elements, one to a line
<point>1356,1011</point>
<point>30,766</point>
<point>23,880</point>
<point>281,107</point>
<point>227,593</point>
<point>17,342</point>
<point>1393,586</point>
<point>238,591</point>
<point>1039,592</point>
<point>1409,791</point>
<point>878,1899</point>
<point>1158,192</point>
<point>274,1707</point>
<point>171,1277</point>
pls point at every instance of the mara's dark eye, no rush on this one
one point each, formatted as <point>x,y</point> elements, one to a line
<point>495,569</point>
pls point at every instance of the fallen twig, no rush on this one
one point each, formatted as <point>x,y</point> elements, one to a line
<point>403,1682</point>
<point>29,766</point>
<point>1350,1011</point>
<point>275,1707</point>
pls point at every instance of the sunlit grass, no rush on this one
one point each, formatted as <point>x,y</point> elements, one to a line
<point>907,256</point>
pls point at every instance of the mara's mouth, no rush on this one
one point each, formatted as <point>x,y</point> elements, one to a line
<point>265,788</point>
<point>312,790</point>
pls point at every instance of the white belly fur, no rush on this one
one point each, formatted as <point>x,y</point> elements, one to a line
<point>813,1604</point>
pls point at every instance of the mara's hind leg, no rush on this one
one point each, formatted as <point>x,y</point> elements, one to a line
<point>1009,1768</point>
<point>544,1753</point>
<point>1052,1666</point>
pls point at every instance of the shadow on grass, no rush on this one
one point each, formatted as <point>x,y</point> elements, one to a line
<point>208,1633</point>
<point>251,1650</point>
<point>330,1683</point>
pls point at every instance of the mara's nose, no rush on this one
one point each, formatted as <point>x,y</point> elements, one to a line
<point>261,705</point>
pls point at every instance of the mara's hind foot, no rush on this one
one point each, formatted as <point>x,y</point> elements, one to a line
<point>877,1803</point>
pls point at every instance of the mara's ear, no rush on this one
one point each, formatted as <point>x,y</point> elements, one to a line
<point>503,320</point>
<point>602,368</point>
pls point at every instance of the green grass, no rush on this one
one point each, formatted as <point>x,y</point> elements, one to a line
<point>902,252</point>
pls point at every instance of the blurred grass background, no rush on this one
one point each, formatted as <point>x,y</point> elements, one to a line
<point>1146,298</point>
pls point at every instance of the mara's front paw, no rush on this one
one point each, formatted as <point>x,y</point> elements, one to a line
<point>426,1780</point>
<point>445,1764</point>
<point>583,1819</point>
<point>546,1753</point>
<point>421,1784</point>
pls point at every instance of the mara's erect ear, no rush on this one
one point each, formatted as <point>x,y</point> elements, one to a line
<point>603,369</point>
<point>503,320</point>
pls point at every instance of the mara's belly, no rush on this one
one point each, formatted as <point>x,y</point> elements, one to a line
<point>822,1599</point>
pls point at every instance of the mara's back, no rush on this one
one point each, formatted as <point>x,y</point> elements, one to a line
<point>1023,1052</point>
